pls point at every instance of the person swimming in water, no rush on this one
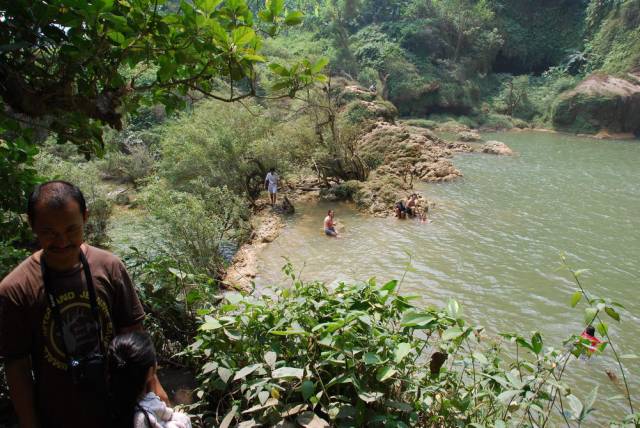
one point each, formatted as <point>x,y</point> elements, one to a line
<point>329,224</point>
<point>412,205</point>
<point>590,334</point>
<point>400,210</point>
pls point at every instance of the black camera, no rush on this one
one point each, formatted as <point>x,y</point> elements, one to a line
<point>89,371</point>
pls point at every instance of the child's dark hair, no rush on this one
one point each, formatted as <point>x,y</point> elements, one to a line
<point>128,361</point>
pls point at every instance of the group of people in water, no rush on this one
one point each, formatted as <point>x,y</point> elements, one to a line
<point>413,207</point>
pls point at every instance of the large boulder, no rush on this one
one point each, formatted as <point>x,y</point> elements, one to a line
<point>409,155</point>
<point>496,148</point>
<point>600,103</point>
<point>469,136</point>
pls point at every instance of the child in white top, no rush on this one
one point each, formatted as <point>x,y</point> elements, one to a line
<point>131,366</point>
<point>153,413</point>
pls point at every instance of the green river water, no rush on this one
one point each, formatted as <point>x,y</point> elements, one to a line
<point>494,245</point>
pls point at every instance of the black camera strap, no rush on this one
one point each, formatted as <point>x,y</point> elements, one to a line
<point>55,308</point>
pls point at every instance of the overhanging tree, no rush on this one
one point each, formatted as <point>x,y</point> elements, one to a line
<point>73,66</point>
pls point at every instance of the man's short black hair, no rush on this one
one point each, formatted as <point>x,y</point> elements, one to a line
<point>54,194</point>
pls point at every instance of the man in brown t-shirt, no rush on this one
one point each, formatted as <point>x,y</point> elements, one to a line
<point>36,349</point>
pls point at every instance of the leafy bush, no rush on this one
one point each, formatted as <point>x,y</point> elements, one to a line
<point>351,354</point>
<point>363,355</point>
<point>497,121</point>
<point>467,121</point>
<point>170,297</point>
<point>10,257</point>
<point>128,168</point>
<point>343,192</point>
<point>615,45</point>
<point>228,145</point>
<point>18,176</point>
<point>199,222</point>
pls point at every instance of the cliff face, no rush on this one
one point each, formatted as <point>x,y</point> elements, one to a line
<point>600,103</point>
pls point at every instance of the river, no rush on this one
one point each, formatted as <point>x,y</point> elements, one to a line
<point>494,245</point>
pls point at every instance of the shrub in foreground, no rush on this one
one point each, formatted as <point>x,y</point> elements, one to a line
<point>363,355</point>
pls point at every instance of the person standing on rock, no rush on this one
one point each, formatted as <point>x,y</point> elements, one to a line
<point>271,184</point>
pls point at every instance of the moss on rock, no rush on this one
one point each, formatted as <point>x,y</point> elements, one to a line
<point>600,102</point>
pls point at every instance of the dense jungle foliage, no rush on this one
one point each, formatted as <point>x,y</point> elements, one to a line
<point>131,101</point>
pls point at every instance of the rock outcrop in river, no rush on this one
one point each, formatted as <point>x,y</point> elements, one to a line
<point>398,155</point>
<point>601,103</point>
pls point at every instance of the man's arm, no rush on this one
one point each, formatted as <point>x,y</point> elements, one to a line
<point>20,383</point>
<point>156,385</point>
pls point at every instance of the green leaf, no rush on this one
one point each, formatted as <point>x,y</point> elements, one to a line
<point>575,298</point>
<point>452,333</point>
<point>385,373</point>
<point>210,324</point>
<point>319,65</point>
<point>308,389</point>
<point>289,333</point>
<point>233,298</point>
<point>575,404</point>
<point>254,57</point>
<point>285,372</point>
<point>371,359</point>
<point>590,401</point>
<point>453,308</point>
<point>270,358</point>
<point>602,328</point>
<point>294,18</point>
<point>279,70</point>
<point>243,35</point>
<point>245,371</point>
<point>416,319</point>
<point>311,420</point>
<point>263,396</point>
<point>275,6</point>
<point>612,313</point>
<point>207,6</point>
<point>225,374</point>
<point>117,37</point>
<point>166,71</point>
<point>589,315</point>
<point>370,397</point>
<point>536,342</point>
<point>209,367</point>
<point>266,15</point>
<point>401,351</point>
<point>390,286</point>
<point>226,422</point>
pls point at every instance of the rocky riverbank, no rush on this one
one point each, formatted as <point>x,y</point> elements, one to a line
<point>402,155</point>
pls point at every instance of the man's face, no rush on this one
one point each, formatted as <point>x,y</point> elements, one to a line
<point>60,232</point>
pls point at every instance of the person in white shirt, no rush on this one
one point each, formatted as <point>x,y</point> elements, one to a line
<point>271,184</point>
